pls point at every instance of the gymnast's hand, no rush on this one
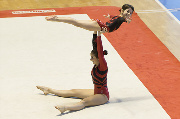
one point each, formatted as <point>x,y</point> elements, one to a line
<point>51,18</point>
<point>104,30</point>
<point>128,19</point>
<point>107,16</point>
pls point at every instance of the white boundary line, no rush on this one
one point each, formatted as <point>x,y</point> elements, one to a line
<point>175,9</point>
<point>158,10</point>
<point>167,11</point>
<point>154,11</point>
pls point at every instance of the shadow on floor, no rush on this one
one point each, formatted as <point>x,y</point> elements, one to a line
<point>127,99</point>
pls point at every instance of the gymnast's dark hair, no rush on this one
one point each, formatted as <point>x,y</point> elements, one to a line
<point>95,52</point>
<point>126,6</point>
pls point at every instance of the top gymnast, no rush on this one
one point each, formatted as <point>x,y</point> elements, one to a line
<point>96,25</point>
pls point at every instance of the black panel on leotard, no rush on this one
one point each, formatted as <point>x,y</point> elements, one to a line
<point>115,23</point>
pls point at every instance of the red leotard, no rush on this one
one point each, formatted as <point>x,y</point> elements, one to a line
<point>99,74</point>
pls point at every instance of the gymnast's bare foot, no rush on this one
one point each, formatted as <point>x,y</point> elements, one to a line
<point>61,108</point>
<point>44,89</point>
<point>53,17</point>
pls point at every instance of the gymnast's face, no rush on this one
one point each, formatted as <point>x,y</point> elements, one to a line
<point>94,59</point>
<point>127,13</point>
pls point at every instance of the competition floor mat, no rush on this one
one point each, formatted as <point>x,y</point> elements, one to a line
<point>143,77</point>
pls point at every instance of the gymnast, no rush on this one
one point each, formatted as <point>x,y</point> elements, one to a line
<point>96,25</point>
<point>90,97</point>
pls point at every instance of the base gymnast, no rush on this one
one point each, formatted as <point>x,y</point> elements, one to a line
<point>96,25</point>
<point>90,97</point>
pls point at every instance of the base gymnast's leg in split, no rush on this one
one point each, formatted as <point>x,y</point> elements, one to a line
<point>87,96</point>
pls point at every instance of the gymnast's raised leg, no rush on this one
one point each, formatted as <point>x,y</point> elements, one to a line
<point>86,24</point>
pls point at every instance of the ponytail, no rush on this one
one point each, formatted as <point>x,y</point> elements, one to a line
<point>95,52</point>
<point>105,52</point>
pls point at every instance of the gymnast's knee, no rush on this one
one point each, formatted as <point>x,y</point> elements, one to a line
<point>85,102</point>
